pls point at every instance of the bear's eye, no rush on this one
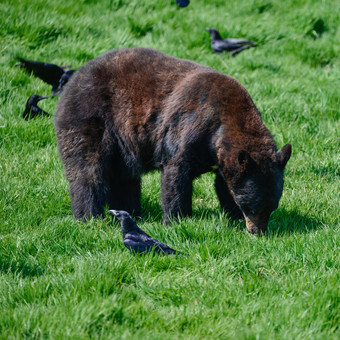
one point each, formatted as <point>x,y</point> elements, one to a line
<point>253,212</point>
<point>249,211</point>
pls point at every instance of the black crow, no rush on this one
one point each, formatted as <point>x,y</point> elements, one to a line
<point>183,3</point>
<point>49,73</point>
<point>135,239</point>
<point>231,45</point>
<point>32,109</point>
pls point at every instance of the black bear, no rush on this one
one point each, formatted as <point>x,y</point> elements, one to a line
<point>134,110</point>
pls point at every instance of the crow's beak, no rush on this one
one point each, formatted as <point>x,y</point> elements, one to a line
<point>113,212</point>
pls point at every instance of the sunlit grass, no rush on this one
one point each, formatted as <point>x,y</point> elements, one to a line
<point>63,279</point>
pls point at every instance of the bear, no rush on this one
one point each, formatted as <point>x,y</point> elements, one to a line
<point>134,110</point>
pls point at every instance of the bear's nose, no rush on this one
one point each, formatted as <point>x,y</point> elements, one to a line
<point>257,223</point>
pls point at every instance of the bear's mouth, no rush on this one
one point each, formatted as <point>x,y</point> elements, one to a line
<point>257,224</point>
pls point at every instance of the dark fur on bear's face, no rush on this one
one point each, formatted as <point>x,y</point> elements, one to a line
<point>134,110</point>
<point>257,187</point>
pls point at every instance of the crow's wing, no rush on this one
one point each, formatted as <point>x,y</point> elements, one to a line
<point>223,45</point>
<point>135,246</point>
<point>142,242</point>
<point>49,73</point>
<point>240,41</point>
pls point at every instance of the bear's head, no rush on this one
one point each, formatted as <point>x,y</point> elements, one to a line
<point>256,185</point>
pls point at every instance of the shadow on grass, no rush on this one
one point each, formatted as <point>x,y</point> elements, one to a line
<point>282,221</point>
<point>152,210</point>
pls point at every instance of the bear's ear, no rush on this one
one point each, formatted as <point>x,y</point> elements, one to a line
<point>283,155</point>
<point>244,159</point>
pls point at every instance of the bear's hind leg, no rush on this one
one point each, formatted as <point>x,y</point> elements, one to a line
<point>226,200</point>
<point>81,147</point>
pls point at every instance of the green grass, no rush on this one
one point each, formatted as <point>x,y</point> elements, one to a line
<point>64,279</point>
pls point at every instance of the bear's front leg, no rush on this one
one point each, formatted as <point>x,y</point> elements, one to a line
<point>176,187</point>
<point>226,200</point>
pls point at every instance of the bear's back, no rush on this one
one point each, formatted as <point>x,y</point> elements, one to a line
<point>134,80</point>
<point>135,67</point>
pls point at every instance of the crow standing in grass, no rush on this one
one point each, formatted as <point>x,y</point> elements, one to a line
<point>231,45</point>
<point>135,239</point>
<point>50,73</point>
<point>32,109</point>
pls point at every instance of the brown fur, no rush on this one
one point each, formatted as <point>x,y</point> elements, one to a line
<point>134,110</point>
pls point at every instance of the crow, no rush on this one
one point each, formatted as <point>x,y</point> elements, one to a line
<point>50,73</point>
<point>183,3</point>
<point>135,239</point>
<point>32,109</point>
<point>231,45</point>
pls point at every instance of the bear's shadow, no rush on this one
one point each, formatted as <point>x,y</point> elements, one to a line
<point>282,221</point>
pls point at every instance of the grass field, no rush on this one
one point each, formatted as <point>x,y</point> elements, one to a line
<point>68,280</point>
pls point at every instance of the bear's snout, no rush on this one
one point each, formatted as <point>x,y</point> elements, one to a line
<point>257,224</point>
